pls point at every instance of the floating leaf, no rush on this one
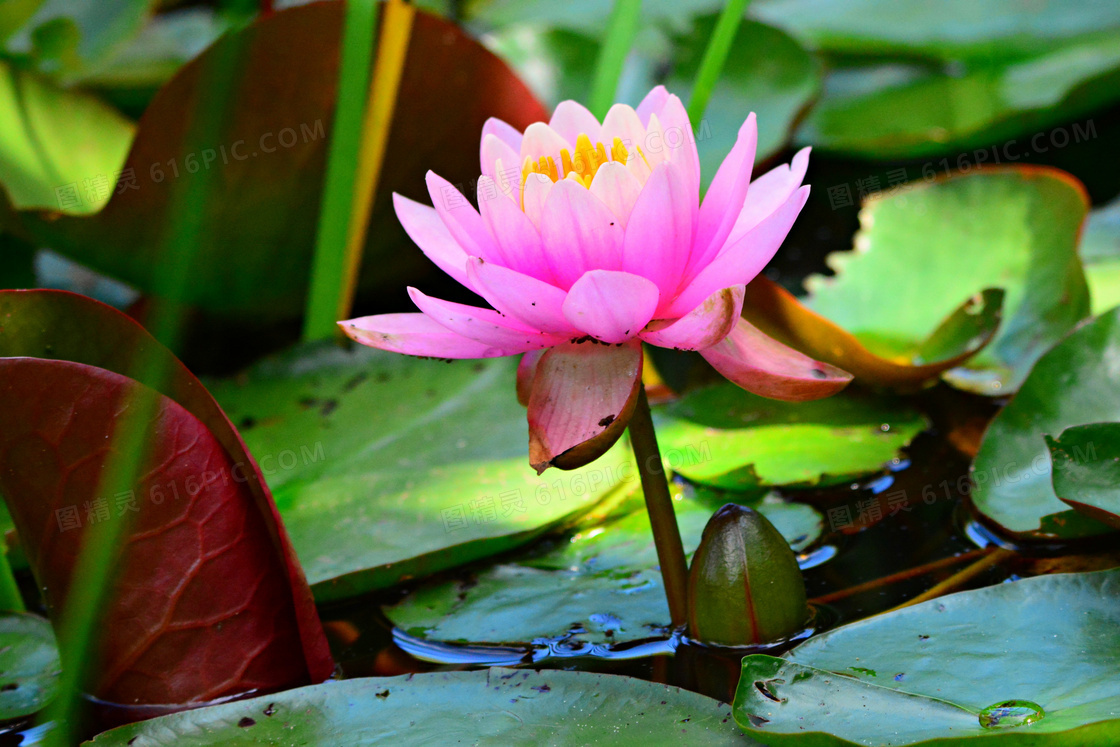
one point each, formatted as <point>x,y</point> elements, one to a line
<point>965,332</point>
<point>1086,470</point>
<point>61,149</point>
<point>921,249</point>
<point>976,667</point>
<point>601,587</point>
<point>1100,251</point>
<point>387,467</point>
<point>66,360</point>
<point>767,72</point>
<point>495,706</point>
<point>1076,382</point>
<point>257,225</point>
<point>728,438</point>
<point>29,665</point>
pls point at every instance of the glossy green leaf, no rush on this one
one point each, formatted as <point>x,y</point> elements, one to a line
<point>887,112</point>
<point>767,72</point>
<point>946,30</point>
<point>1085,462</point>
<point>930,674</point>
<point>1076,382</point>
<point>495,706</point>
<point>728,438</point>
<point>29,664</point>
<point>601,587</point>
<point>1100,251</point>
<point>59,150</point>
<point>921,249</point>
<point>386,467</point>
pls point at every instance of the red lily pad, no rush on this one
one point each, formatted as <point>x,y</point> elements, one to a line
<point>256,228</point>
<point>209,576</point>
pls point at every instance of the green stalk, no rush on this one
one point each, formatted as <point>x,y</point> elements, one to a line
<point>94,569</point>
<point>715,56</point>
<point>621,30</point>
<point>11,600</point>
<point>329,264</point>
<point>659,505</point>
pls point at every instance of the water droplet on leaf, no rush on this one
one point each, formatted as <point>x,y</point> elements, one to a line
<point>1010,713</point>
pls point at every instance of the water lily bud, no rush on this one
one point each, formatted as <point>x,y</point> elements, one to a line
<point>744,586</point>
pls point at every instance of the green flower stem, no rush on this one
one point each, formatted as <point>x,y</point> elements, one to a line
<point>621,30</point>
<point>10,598</point>
<point>715,56</point>
<point>659,504</point>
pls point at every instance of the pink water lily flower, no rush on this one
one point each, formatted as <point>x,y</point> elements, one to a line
<point>590,239</point>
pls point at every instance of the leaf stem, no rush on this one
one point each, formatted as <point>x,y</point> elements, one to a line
<point>715,56</point>
<point>659,504</point>
<point>958,579</point>
<point>10,598</point>
<point>621,30</point>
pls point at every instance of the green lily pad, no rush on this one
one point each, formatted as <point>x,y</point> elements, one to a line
<point>386,467</point>
<point>888,111</point>
<point>948,30</point>
<point>1100,251</point>
<point>934,673</point>
<point>767,72</point>
<point>1086,467</point>
<point>601,587</point>
<point>1076,382</point>
<point>495,706</point>
<point>61,149</point>
<point>728,438</point>
<point>922,249</point>
<point>29,665</point>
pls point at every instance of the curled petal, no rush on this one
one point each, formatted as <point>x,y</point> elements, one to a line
<point>704,326</point>
<point>572,119</point>
<point>580,233</point>
<point>679,142</point>
<point>768,192</point>
<point>659,234</point>
<point>581,400</point>
<point>725,197</point>
<point>541,140</point>
<point>764,366</point>
<point>494,149</point>
<point>503,131</point>
<point>617,188</point>
<point>623,123</point>
<point>652,103</point>
<point>416,334</point>
<point>738,263</point>
<point>536,304</point>
<point>526,372</point>
<point>535,192</point>
<point>460,217</point>
<point>517,239</point>
<point>482,325</point>
<point>611,306</point>
<point>428,231</point>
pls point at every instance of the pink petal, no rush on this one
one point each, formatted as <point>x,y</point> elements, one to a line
<point>725,197</point>
<point>542,140</point>
<point>764,366</point>
<point>495,149</point>
<point>704,326</point>
<point>611,306</point>
<point>518,240</point>
<point>416,334</point>
<point>428,231</point>
<point>654,148</point>
<point>526,372</point>
<point>679,140</point>
<point>741,261</point>
<point>581,400</point>
<point>460,217</point>
<point>617,188</point>
<point>622,122</point>
<point>482,325</point>
<point>505,132</point>
<point>652,103</point>
<point>658,236</point>
<point>536,304</point>
<point>570,120</point>
<point>536,190</point>
<point>580,233</point>
<point>768,192</point>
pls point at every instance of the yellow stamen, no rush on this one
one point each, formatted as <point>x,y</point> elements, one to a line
<point>619,152</point>
<point>581,166</point>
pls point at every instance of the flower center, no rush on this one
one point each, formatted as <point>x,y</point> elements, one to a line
<point>580,166</point>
